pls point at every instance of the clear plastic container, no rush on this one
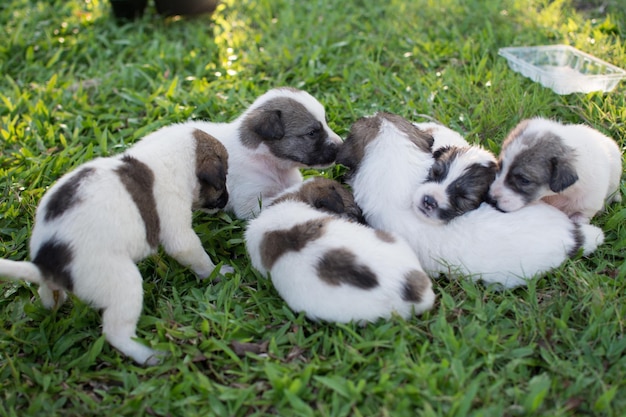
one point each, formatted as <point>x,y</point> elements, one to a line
<point>563,68</point>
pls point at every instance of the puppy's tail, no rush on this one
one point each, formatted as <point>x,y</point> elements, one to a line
<point>20,270</point>
<point>592,238</point>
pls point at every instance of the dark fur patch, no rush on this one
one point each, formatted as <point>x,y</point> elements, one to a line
<point>290,132</point>
<point>545,162</point>
<point>66,196</point>
<point>326,195</point>
<point>384,236</point>
<point>415,284</point>
<point>53,259</point>
<point>278,242</point>
<point>340,267</point>
<point>366,129</point>
<point>579,241</point>
<point>211,171</point>
<point>138,179</point>
<point>362,133</point>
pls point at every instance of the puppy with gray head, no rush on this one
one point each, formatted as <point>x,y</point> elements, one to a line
<point>572,167</point>
<point>332,268</point>
<point>458,180</point>
<point>282,131</point>
<point>100,219</point>
<point>385,160</point>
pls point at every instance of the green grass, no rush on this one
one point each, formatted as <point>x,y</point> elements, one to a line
<point>75,85</point>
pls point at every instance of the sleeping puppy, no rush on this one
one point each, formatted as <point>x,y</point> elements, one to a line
<point>283,130</point>
<point>458,181</point>
<point>573,167</point>
<point>100,219</point>
<point>485,244</point>
<point>330,267</point>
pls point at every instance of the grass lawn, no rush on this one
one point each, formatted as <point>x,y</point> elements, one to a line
<point>75,85</point>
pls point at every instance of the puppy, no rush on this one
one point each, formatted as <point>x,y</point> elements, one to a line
<point>283,130</point>
<point>573,167</point>
<point>503,248</point>
<point>331,268</point>
<point>458,180</point>
<point>98,220</point>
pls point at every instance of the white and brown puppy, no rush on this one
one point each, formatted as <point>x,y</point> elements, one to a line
<point>573,167</point>
<point>384,156</point>
<point>282,131</point>
<point>458,180</point>
<point>329,267</point>
<point>100,219</point>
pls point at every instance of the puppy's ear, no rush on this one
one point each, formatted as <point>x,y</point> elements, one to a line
<point>269,124</point>
<point>563,174</point>
<point>330,201</point>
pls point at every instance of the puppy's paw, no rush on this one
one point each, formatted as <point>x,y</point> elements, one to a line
<point>156,358</point>
<point>226,269</point>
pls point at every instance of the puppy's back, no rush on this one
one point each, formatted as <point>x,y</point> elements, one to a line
<point>340,271</point>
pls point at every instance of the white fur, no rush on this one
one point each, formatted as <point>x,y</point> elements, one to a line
<point>255,176</point>
<point>504,248</point>
<point>597,162</point>
<point>296,278</point>
<point>107,236</point>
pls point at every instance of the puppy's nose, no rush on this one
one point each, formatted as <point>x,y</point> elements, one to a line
<point>429,203</point>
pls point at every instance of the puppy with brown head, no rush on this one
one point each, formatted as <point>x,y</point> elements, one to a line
<point>98,220</point>
<point>327,265</point>
<point>572,167</point>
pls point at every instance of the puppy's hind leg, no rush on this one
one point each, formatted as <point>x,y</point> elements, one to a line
<point>185,246</point>
<point>124,302</point>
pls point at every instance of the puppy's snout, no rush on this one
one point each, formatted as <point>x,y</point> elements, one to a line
<point>429,203</point>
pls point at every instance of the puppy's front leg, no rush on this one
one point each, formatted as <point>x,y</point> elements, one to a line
<point>187,249</point>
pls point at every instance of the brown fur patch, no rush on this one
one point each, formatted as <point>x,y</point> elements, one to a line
<point>385,236</point>
<point>326,195</point>
<point>341,267</point>
<point>362,133</point>
<point>278,242</point>
<point>211,170</point>
<point>415,284</point>
<point>138,179</point>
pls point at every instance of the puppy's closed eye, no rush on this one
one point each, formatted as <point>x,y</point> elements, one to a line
<point>437,172</point>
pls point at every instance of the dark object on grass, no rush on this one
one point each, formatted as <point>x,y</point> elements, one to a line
<point>185,7</point>
<point>128,9</point>
<point>131,9</point>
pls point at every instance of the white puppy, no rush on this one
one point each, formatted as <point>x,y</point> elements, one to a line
<point>573,167</point>
<point>331,268</point>
<point>504,248</point>
<point>283,130</point>
<point>458,180</point>
<point>98,220</point>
